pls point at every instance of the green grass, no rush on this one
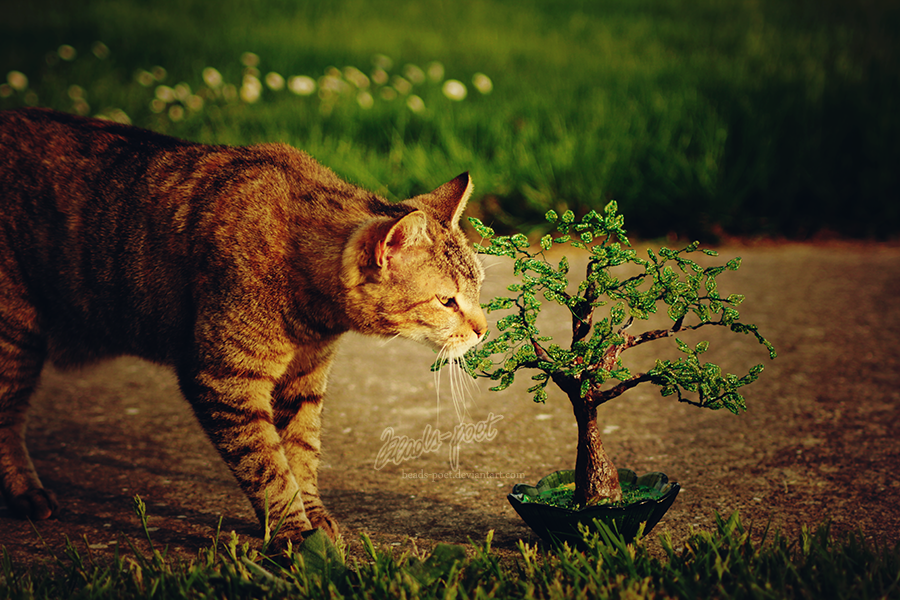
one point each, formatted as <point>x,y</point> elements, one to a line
<point>697,116</point>
<point>731,562</point>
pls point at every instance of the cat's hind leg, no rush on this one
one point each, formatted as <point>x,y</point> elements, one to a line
<point>22,353</point>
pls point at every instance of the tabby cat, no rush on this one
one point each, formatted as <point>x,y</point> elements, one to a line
<point>239,266</point>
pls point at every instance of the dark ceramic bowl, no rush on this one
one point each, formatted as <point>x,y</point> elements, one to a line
<point>555,524</point>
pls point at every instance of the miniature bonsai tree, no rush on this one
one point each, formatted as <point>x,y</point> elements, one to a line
<point>604,308</point>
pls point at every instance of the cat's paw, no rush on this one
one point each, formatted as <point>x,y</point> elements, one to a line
<point>36,504</point>
<point>322,520</point>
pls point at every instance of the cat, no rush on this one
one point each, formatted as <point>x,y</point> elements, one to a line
<point>241,267</point>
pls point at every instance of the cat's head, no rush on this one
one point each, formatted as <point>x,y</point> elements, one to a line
<point>416,275</point>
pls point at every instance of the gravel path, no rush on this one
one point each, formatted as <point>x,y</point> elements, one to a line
<point>819,442</point>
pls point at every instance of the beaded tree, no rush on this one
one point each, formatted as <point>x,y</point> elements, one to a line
<point>604,309</point>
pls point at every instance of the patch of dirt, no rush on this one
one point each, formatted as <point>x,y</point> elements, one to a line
<point>818,443</point>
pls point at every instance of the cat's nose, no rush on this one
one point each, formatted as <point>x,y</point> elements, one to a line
<point>479,326</point>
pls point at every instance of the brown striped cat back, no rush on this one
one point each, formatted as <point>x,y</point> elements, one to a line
<point>238,266</point>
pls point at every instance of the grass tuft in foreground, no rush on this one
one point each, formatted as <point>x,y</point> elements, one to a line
<point>730,562</point>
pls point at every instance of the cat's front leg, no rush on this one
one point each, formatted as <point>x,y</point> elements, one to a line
<point>297,403</point>
<point>233,405</point>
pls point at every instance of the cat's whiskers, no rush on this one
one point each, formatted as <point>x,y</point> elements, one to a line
<point>387,340</point>
<point>459,386</point>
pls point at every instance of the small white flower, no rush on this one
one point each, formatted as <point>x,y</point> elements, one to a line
<point>212,77</point>
<point>81,107</point>
<point>145,78</point>
<point>414,74</point>
<point>17,80</point>
<point>365,100</point>
<point>157,105</point>
<point>435,72</point>
<point>382,61</point>
<point>380,76</point>
<point>249,59</point>
<point>251,89</point>
<point>182,91</point>
<point>100,50</point>
<point>115,114</point>
<point>165,93</point>
<point>333,84</point>
<point>67,52</point>
<point>400,84</point>
<point>176,112</point>
<point>455,90</point>
<point>76,92</point>
<point>302,85</point>
<point>415,104</point>
<point>194,102</point>
<point>482,83</point>
<point>356,77</point>
<point>275,81</point>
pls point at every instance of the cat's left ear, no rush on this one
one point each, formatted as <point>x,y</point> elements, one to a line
<point>447,203</point>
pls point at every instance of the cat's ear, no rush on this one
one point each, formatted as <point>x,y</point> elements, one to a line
<point>447,203</point>
<point>406,234</point>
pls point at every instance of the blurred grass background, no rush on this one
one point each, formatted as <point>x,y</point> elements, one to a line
<point>700,117</point>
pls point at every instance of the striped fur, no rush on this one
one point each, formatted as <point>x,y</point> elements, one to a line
<point>240,267</point>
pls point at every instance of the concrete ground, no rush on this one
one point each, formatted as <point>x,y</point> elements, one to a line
<point>819,442</point>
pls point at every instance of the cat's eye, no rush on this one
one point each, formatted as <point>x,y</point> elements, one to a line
<point>448,301</point>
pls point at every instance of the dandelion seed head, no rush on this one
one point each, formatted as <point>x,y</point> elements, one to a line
<point>250,59</point>
<point>455,90</point>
